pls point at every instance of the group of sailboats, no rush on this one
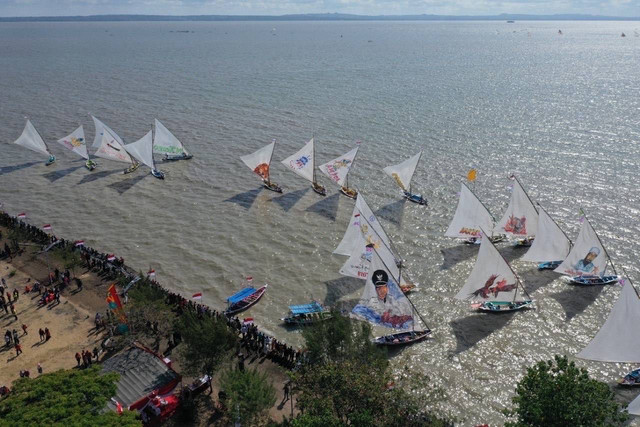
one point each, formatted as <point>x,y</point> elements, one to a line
<point>110,146</point>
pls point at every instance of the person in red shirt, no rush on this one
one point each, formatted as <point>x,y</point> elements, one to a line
<point>18,350</point>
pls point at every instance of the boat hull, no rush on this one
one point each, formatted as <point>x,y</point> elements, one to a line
<point>549,265</point>
<point>272,186</point>
<point>319,189</point>
<point>247,302</point>
<point>349,192</point>
<point>589,280</point>
<point>415,198</point>
<point>632,379</point>
<point>131,169</point>
<point>476,241</point>
<point>401,338</point>
<point>51,161</point>
<point>90,165</point>
<point>176,157</point>
<point>406,288</point>
<point>523,243</point>
<point>308,319</point>
<point>501,306</point>
<point>158,174</point>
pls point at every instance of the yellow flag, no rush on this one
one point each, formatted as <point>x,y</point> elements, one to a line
<point>471,175</point>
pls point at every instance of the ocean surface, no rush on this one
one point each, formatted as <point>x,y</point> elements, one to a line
<point>560,111</point>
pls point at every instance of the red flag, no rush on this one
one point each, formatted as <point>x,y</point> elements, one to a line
<point>151,273</point>
<point>249,279</point>
<point>118,405</point>
<point>22,215</point>
<point>248,321</point>
<point>79,243</point>
<point>197,296</point>
<point>111,257</point>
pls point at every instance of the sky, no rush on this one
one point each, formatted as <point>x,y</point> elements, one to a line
<point>623,8</point>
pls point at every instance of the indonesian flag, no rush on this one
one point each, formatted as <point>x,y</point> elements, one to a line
<point>197,296</point>
<point>248,321</point>
<point>118,405</point>
<point>22,215</point>
<point>46,227</point>
<point>151,273</point>
<point>79,243</point>
<point>249,279</point>
<point>111,257</point>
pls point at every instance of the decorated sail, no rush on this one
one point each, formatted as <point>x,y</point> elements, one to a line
<point>164,142</point>
<point>471,216</point>
<point>550,244</point>
<point>31,139</point>
<point>491,278</point>
<point>302,161</point>
<point>100,131</point>
<point>618,340</point>
<point>142,150</point>
<point>76,142</point>
<point>111,149</point>
<point>363,223</point>
<point>382,302</point>
<point>403,173</point>
<point>260,160</point>
<point>337,169</point>
<point>586,257</point>
<point>521,217</point>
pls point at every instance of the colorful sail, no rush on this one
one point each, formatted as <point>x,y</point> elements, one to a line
<point>76,143</point>
<point>111,149</point>
<point>100,130</point>
<point>618,340</point>
<point>521,217</point>
<point>302,162</point>
<point>260,160</point>
<point>471,216</point>
<point>586,257</point>
<point>550,244</point>
<point>164,142</point>
<point>491,278</point>
<point>363,222</point>
<point>382,302</point>
<point>142,150</point>
<point>31,139</point>
<point>337,169</point>
<point>403,173</point>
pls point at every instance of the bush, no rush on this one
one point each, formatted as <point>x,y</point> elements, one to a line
<point>249,395</point>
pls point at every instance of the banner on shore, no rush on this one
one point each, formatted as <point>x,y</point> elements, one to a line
<point>113,300</point>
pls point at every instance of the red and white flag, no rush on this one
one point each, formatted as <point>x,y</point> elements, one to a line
<point>118,405</point>
<point>151,273</point>
<point>79,243</point>
<point>111,257</point>
<point>197,296</point>
<point>22,215</point>
<point>249,279</point>
<point>248,321</point>
<point>46,227</point>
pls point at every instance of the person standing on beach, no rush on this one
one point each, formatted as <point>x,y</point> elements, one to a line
<point>41,333</point>
<point>13,311</point>
<point>18,349</point>
<point>47,334</point>
<point>78,358</point>
<point>24,328</point>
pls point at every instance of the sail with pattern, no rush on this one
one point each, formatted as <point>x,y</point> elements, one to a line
<point>521,217</point>
<point>470,218</point>
<point>402,173</point>
<point>260,160</point>
<point>75,142</point>
<point>338,168</point>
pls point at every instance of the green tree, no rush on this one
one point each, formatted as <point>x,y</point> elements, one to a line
<point>207,342</point>
<point>249,395</point>
<point>558,393</point>
<point>71,397</point>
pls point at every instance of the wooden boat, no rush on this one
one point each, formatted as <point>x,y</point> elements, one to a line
<point>402,174</point>
<point>157,173</point>
<point>523,243</point>
<point>337,170</point>
<point>349,192</point>
<point>77,143</point>
<point>415,198</point>
<point>520,219</point>
<point>549,265</point>
<point>272,186</point>
<point>501,306</point>
<point>176,157</point>
<point>476,241</point>
<point>402,338</point>
<point>244,299</point>
<point>319,189</point>
<point>165,142</point>
<point>134,167</point>
<point>303,163</point>
<point>31,139</point>
<point>591,280</point>
<point>90,164</point>
<point>632,379</point>
<point>307,314</point>
<point>110,148</point>
<point>551,243</point>
<point>142,151</point>
<point>259,162</point>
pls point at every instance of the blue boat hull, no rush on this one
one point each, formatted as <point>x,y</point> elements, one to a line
<point>415,198</point>
<point>589,280</point>
<point>549,265</point>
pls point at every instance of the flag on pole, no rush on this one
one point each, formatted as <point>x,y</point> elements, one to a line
<point>197,296</point>
<point>22,215</point>
<point>118,405</point>
<point>248,321</point>
<point>46,227</point>
<point>471,175</point>
<point>151,273</point>
<point>111,257</point>
<point>79,243</point>
<point>249,279</point>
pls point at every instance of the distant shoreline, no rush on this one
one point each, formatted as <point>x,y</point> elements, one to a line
<point>313,17</point>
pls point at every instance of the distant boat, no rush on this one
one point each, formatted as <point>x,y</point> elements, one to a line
<point>259,162</point>
<point>510,22</point>
<point>142,150</point>
<point>31,139</point>
<point>403,174</point>
<point>111,149</point>
<point>164,142</point>
<point>338,169</point>
<point>303,163</point>
<point>77,143</point>
<point>623,35</point>
<point>244,299</point>
<point>560,32</point>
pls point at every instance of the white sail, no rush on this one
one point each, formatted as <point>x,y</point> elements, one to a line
<point>471,216</point>
<point>634,406</point>
<point>618,340</point>
<point>111,149</point>
<point>302,162</point>
<point>362,222</point>
<point>521,217</point>
<point>382,302</point>
<point>164,142</point>
<point>403,173</point>
<point>142,150</point>
<point>75,142</point>
<point>100,128</point>
<point>337,169</point>
<point>550,244</point>
<point>259,161</point>
<point>31,139</point>
<point>586,257</point>
<point>491,278</point>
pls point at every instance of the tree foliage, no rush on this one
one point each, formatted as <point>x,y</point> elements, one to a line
<point>249,395</point>
<point>558,393</point>
<point>71,397</point>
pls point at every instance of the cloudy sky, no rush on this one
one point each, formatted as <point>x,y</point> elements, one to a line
<point>626,8</point>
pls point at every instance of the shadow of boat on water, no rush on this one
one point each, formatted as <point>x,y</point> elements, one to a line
<point>535,279</point>
<point>246,199</point>
<point>327,207</point>
<point>288,200</point>
<point>393,212</point>
<point>94,176</point>
<point>472,329</point>
<point>338,288</point>
<point>126,185</point>
<point>575,299</point>
<point>8,169</point>
<point>56,175</point>
<point>455,254</point>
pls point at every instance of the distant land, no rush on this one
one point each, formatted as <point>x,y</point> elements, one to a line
<point>316,17</point>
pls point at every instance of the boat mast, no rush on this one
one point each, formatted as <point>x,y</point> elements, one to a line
<point>270,158</point>
<point>391,248</point>
<point>414,172</point>
<point>313,160</point>
<point>603,247</point>
<point>525,192</point>
<point>484,206</point>
<point>45,142</point>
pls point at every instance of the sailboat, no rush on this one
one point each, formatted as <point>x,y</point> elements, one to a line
<point>259,162</point>
<point>75,142</point>
<point>338,169</point>
<point>493,285</point>
<point>470,217</point>
<point>303,163</point>
<point>551,245</point>
<point>31,139</point>
<point>521,217</point>
<point>588,260</point>
<point>111,149</point>
<point>100,130</point>
<point>403,174</point>
<point>164,142</point>
<point>142,150</point>
<point>383,304</point>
